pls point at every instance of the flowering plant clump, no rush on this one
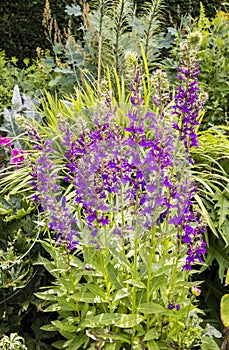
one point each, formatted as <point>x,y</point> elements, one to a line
<point>119,205</point>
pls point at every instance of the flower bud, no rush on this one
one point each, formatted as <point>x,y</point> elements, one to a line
<point>196,291</point>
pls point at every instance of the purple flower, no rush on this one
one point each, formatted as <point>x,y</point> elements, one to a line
<point>188,103</point>
<point>45,183</point>
<point>172,305</point>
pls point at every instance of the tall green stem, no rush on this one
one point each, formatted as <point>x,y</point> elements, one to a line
<point>134,295</point>
<point>151,259</point>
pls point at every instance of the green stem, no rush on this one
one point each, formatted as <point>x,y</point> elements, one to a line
<point>104,253</point>
<point>175,269</point>
<point>118,34</point>
<point>134,295</point>
<point>151,259</point>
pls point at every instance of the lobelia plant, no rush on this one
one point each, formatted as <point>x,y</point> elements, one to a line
<point>124,237</point>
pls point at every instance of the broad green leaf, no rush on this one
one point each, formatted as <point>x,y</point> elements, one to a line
<point>152,345</point>
<point>162,270</point>
<point>47,295</point>
<point>101,320</point>
<point>87,297</point>
<point>108,336</point>
<point>64,304</point>
<point>209,344</point>
<point>223,205</point>
<point>135,283</point>
<point>53,308</point>
<point>68,284</point>
<point>129,321</point>
<point>152,333</point>
<point>59,344</point>
<point>75,342</point>
<point>122,293</point>
<point>152,308</point>
<point>224,310</point>
<point>50,266</point>
<point>65,326</point>
<point>76,262</point>
<point>4,211</point>
<point>96,290</point>
<point>118,320</point>
<point>112,273</point>
<point>124,262</point>
<point>49,328</point>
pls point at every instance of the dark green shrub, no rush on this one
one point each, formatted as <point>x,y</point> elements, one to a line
<point>21,26</point>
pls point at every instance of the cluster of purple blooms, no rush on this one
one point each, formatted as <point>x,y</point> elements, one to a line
<point>188,103</point>
<point>128,174</point>
<point>45,184</point>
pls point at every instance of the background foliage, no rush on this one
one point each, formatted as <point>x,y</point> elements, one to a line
<point>17,38</point>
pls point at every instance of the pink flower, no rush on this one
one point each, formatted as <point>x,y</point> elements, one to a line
<point>17,156</point>
<point>196,291</point>
<point>5,141</point>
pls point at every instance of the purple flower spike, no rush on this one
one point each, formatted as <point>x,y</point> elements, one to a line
<point>44,182</point>
<point>188,101</point>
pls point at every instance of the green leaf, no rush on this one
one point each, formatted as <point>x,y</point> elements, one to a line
<point>124,262</point>
<point>135,283</point>
<point>112,276</point>
<point>53,308</point>
<point>118,320</point>
<point>224,310</point>
<point>87,297</point>
<point>209,343</point>
<point>65,326</point>
<point>49,266</point>
<point>152,308</point>
<point>59,344</point>
<point>122,293</point>
<point>129,321</point>
<point>49,328</point>
<point>75,342</point>
<point>101,320</point>
<point>4,211</point>
<point>223,205</point>
<point>152,345</point>
<point>50,294</point>
<point>111,346</point>
<point>96,290</point>
<point>108,336</point>
<point>152,333</point>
